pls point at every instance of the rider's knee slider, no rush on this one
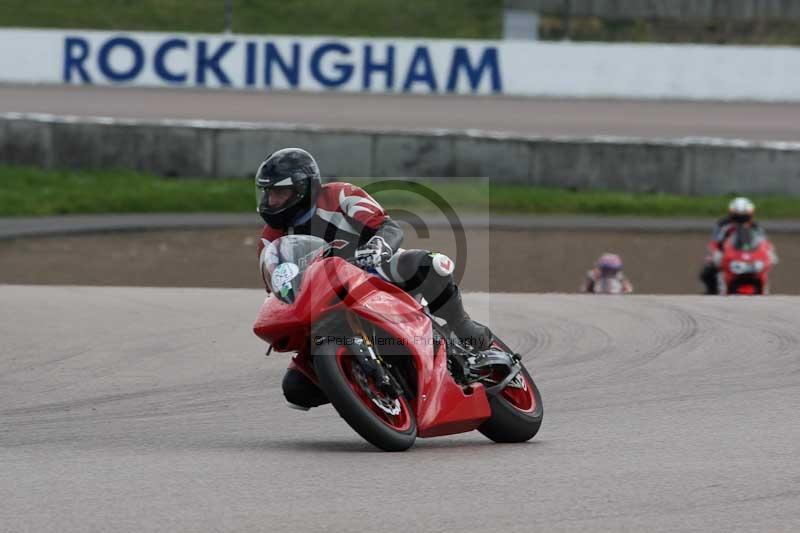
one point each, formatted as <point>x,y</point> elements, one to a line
<point>442,264</point>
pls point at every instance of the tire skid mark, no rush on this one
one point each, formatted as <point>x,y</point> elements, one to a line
<point>541,339</point>
<point>788,343</point>
<point>171,407</point>
<point>574,331</point>
<point>534,340</point>
<point>687,329</point>
<point>524,342</point>
<point>118,344</point>
<point>673,398</point>
<point>786,340</point>
<point>173,396</point>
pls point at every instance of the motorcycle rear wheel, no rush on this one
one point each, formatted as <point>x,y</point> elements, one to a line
<point>516,412</point>
<point>387,424</point>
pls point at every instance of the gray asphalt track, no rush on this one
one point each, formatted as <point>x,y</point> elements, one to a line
<point>552,117</point>
<point>154,410</point>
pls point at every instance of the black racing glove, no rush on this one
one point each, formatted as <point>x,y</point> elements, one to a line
<point>373,253</point>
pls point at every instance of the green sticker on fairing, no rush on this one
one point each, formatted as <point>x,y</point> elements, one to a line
<point>282,278</point>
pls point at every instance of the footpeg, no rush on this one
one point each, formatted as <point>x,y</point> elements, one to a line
<point>483,365</point>
<point>485,360</point>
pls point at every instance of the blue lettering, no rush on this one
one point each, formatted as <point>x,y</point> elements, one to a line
<point>105,65</point>
<point>370,66</point>
<point>345,70</point>
<point>205,62</point>
<point>250,64</point>
<point>421,58</point>
<point>76,50</point>
<point>290,71</point>
<point>488,61</point>
<point>160,61</point>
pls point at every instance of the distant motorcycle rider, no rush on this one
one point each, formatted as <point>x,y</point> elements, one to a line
<point>292,200</point>
<point>607,277</point>
<point>740,211</point>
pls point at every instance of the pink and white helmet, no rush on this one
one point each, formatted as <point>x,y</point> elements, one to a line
<point>609,263</point>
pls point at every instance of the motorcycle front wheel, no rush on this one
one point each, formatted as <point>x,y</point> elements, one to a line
<point>516,412</point>
<point>387,423</point>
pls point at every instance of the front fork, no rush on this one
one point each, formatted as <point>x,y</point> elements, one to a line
<point>373,366</point>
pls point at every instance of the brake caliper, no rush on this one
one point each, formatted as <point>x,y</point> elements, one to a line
<point>372,367</point>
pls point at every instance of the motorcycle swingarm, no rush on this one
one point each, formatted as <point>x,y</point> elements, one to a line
<point>496,358</point>
<point>490,358</point>
<point>494,390</point>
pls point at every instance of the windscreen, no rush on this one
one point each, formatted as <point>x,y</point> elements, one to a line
<point>747,238</point>
<point>285,260</point>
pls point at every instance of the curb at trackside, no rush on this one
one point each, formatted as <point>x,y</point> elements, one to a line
<point>19,227</point>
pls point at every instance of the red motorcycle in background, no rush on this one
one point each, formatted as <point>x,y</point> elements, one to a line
<point>390,369</point>
<point>746,258</point>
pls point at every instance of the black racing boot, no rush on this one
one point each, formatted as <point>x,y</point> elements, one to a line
<point>473,333</point>
<point>300,392</point>
<point>709,278</point>
<point>467,330</point>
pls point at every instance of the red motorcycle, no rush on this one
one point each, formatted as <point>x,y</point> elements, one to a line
<point>390,369</point>
<point>745,261</point>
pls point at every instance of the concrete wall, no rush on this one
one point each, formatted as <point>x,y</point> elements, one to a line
<point>201,148</point>
<point>676,9</point>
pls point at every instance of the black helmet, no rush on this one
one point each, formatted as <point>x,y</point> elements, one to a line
<point>290,168</point>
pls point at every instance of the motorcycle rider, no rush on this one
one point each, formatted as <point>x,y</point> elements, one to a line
<point>607,277</point>
<point>740,211</point>
<point>292,200</point>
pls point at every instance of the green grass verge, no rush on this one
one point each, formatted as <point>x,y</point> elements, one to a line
<point>477,19</point>
<point>33,191</point>
<point>688,30</point>
<point>28,191</point>
<point>419,18</point>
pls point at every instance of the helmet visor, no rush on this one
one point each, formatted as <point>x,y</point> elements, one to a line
<point>609,271</point>
<point>609,264</point>
<point>273,200</point>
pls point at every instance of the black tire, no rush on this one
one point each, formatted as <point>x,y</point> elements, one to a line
<point>509,424</point>
<point>352,409</point>
<point>736,284</point>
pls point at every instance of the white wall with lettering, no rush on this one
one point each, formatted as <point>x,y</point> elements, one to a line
<point>426,66</point>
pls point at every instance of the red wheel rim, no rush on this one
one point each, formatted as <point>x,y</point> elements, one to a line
<point>372,398</point>
<point>519,393</point>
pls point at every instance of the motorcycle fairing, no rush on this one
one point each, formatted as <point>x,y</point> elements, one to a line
<point>748,283</point>
<point>442,407</point>
<point>335,284</point>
